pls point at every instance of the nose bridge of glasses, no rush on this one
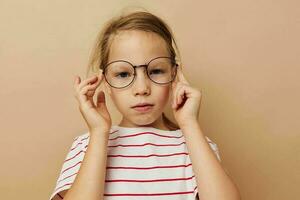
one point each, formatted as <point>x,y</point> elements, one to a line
<point>145,73</point>
<point>140,66</point>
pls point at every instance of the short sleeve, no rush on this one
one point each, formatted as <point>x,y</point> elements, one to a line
<point>214,147</point>
<point>70,167</point>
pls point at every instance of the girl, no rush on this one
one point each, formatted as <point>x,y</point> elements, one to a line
<point>146,156</point>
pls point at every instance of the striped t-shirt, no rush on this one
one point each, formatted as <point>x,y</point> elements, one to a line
<point>142,163</point>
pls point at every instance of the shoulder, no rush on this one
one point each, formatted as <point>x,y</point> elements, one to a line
<point>81,137</point>
<point>70,165</point>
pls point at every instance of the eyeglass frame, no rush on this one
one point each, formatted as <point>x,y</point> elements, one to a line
<point>144,65</point>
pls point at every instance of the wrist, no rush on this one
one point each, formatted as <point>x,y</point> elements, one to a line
<point>190,126</point>
<point>99,131</point>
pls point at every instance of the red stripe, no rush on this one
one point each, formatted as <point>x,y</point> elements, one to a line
<point>127,156</point>
<point>75,146</point>
<point>89,136</point>
<point>140,145</point>
<point>145,156</point>
<point>60,196</point>
<point>79,143</point>
<point>149,180</point>
<point>195,187</point>
<point>74,156</point>
<point>132,135</point>
<point>133,145</point>
<point>137,168</point>
<point>114,132</point>
<point>70,167</point>
<point>144,133</point>
<point>62,186</point>
<point>157,180</point>
<point>85,139</point>
<point>153,194</point>
<point>145,168</point>
<point>66,177</point>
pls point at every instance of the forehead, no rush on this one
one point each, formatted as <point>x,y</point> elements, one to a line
<point>137,47</point>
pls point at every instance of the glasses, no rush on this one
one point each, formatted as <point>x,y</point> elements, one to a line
<point>121,73</point>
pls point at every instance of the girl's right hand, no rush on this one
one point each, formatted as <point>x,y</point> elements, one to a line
<point>96,115</point>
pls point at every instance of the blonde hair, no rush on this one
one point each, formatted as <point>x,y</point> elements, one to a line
<point>137,20</point>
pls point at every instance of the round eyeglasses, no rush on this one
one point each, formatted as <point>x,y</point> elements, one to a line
<point>121,73</point>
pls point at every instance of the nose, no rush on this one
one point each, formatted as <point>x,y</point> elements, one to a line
<point>141,85</point>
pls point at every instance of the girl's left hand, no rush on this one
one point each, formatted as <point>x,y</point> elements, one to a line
<point>185,100</point>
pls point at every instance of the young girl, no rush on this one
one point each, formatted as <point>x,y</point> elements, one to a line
<point>146,156</point>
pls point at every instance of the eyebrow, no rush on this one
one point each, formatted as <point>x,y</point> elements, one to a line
<point>146,63</point>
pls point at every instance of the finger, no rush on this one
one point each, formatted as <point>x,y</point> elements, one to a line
<point>90,93</point>
<point>101,103</point>
<point>175,81</point>
<point>81,98</point>
<point>178,95</point>
<point>92,86</point>
<point>89,80</point>
<point>177,78</point>
<point>96,83</point>
<point>76,81</point>
<point>86,94</point>
<point>100,98</point>
<point>181,95</point>
<point>178,86</point>
<point>174,85</point>
<point>181,76</point>
<point>89,90</point>
<point>86,89</point>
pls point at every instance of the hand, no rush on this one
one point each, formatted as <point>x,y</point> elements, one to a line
<point>96,115</point>
<point>185,100</point>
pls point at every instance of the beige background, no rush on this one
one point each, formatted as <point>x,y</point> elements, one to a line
<point>243,54</point>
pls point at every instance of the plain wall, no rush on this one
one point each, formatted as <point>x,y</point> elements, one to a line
<point>244,55</point>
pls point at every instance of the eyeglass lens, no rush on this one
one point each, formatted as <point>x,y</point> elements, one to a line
<point>120,73</point>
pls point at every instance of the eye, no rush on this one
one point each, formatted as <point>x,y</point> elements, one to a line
<point>123,74</point>
<point>157,71</point>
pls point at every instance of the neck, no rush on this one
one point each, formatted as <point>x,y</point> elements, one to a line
<point>159,124</point>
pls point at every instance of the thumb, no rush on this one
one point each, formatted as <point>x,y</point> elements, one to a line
<point>101,102</point>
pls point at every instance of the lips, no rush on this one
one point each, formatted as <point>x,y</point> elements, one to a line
<point>142,105</point>
<point>143,108</point>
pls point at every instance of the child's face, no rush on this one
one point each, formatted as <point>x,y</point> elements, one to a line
<point>138,47</point>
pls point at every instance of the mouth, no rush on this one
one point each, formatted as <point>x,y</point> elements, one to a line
<point>143,107</point>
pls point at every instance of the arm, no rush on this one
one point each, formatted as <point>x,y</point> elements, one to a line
<point>212,181</point>
<point>90,180</point>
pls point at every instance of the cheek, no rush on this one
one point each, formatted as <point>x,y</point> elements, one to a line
<point>162,96</point>
<point>118,99</point>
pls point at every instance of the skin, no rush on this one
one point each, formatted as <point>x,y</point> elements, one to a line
<point>139,47</point>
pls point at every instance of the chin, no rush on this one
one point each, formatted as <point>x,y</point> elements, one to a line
<point>143,121</point>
